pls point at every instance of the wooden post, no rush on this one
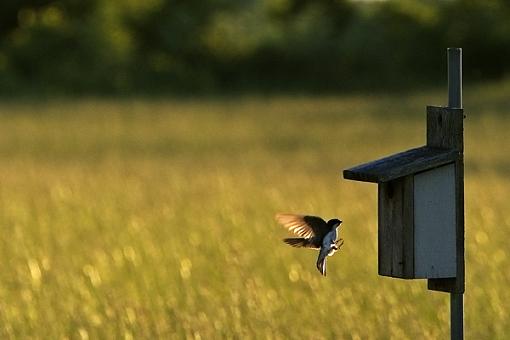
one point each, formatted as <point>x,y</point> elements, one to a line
<point>445,130</point>
<point>453,137</point>
<point>455,101</point>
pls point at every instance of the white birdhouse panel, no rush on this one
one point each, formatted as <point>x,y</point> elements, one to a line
<point>434,223</point>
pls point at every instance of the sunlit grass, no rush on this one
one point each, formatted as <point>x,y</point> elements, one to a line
<point>143,219</point>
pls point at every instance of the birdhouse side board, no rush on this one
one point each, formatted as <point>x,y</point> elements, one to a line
<point>395,235</point>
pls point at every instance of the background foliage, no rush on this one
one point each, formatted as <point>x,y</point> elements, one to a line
<point>121,46</point>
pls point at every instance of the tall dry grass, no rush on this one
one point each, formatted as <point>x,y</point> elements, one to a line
<point>154,218</point>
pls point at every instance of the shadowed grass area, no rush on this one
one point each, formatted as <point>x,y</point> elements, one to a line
<point>153,218</point>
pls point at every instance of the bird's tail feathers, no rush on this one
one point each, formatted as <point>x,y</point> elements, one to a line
<point>321,266</point>
<point>297,242</point>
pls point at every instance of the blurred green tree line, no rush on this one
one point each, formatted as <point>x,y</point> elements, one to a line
<point>189,46</point>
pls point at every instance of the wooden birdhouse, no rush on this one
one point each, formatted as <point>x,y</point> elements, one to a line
<point>421,203</point>
<point>418,198</point>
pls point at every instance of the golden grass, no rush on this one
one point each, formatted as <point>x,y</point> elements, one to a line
<point>142,219</point>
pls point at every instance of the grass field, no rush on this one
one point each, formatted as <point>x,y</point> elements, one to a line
<point>139,219</point>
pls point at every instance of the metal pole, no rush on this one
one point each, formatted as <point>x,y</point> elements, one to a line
<point>455,78</point>
<point>455,101</point>
<point>456,316</point>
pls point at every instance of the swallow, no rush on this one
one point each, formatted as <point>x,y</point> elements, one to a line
<point>315,233</point>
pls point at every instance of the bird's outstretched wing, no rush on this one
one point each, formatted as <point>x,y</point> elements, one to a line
<point>304,226</point>
<point>300,242</point>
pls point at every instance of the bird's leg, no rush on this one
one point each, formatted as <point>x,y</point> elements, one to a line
<point>339,243</point>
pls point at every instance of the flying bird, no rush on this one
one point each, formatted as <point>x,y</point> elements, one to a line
<point>315,233</point>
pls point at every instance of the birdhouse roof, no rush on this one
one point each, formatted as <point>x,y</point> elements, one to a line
<point>401,164</point>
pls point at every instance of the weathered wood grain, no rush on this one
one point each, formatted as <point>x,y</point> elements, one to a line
<point>401,164</point>
<point>445,128</point>
<point>396,229</point>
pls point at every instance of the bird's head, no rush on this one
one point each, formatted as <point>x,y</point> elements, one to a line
<point>334,223</point>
